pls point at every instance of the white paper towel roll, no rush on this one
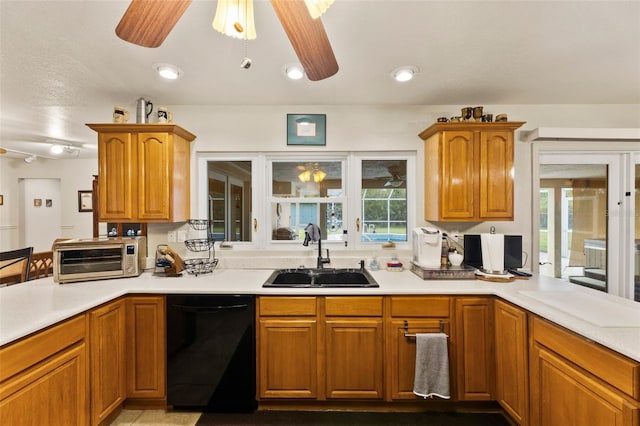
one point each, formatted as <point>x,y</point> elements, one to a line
<point>492,252</point>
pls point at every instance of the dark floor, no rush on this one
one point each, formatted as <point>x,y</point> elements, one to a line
<point>333,418</point>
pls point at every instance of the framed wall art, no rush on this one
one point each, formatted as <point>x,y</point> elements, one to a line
<point>85,201</point>
<point>37,202</point>
<point>306,129</point>
<point>1,199</point>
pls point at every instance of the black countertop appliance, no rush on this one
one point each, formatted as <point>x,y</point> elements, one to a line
<point>211,352</point>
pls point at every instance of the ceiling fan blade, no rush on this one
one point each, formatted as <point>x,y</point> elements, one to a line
<point>148,22</point>
<point>308,38</point>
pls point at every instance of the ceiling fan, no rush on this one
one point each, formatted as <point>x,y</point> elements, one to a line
<point>148,22</point>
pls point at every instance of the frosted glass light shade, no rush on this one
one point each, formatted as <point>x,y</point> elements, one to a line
<point>317,7</point>
<point>235,19</point>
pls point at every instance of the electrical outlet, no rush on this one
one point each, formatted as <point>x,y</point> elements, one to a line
<point>171,236</point>
<point>182,235</point>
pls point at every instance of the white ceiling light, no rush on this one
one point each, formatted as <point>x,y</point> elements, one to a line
<point>56,149</point>
<point>235,19</point>
<point>168,71</point>
<point>404,73</point>
<point>294,71</point>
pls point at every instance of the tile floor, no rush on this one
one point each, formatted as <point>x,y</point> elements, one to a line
<point>155,418</point>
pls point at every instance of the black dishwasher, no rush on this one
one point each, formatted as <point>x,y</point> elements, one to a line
<point>211,352</point>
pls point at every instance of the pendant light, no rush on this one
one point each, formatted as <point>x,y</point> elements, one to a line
<point>317,7</point>
<point>235,19</point>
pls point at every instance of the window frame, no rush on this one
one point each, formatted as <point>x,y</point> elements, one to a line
<point>261,177</point>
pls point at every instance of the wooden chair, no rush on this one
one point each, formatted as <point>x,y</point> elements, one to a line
<point>41,265</point>
<point>15,265</point>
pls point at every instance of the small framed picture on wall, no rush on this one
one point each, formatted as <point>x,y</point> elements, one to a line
<point>85,201</point>
<point>37,202</point>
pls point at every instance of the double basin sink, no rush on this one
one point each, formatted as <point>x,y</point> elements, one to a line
<point>321,278</point>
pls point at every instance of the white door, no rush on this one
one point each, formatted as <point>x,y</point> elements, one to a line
<point>41,213</point>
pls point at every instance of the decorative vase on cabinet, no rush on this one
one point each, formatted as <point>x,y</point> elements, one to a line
<point>469,171</point>
<point>143,172</point>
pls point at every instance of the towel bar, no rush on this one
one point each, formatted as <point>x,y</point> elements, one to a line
<point>406,329</point>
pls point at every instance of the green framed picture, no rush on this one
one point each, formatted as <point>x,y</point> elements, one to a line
<point>306,129</point>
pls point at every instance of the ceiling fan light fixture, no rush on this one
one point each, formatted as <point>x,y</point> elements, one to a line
<point>318,7</point>
<point>235,19</point>
<point>168,71</point>
<point>405,73</point>
<point>294,71</point>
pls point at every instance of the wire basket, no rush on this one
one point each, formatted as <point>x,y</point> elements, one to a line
<point>200,266</point>
<point>198,224</point>
<point>199,244</point>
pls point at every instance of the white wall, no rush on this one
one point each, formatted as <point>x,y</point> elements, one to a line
<point>39,224</point>
<point>379,128</point>
<point>73,174</point>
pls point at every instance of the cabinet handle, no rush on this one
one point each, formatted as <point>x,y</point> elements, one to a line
<point>358,225</point>
<point>255,225</point>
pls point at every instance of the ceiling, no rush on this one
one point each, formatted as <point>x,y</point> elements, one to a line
<point>62,64</point>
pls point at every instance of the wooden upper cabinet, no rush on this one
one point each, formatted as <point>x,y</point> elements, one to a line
<point>143,172</point>
<point>469,171</point>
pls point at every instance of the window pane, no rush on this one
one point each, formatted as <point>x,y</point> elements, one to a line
<point>230,200</point>
<point>294,179</point>
<point>291,219</point>
<point>384,200</point>
<point>573,199</point>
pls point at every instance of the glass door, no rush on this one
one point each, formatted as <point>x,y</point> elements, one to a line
<point>635,213</point>
<point>576,198</point>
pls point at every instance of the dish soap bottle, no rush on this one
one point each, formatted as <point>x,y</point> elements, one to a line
<point>373,265</point>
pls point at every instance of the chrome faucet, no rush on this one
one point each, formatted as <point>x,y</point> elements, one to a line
<point>321,260</point>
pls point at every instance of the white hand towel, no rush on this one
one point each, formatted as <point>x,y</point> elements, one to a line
<point>432,366</point>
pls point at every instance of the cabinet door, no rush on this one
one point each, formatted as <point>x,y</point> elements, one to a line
<point>146,359</point>
<point>496,175</point>
<point>457,176</point>
<point>474,349</point>
<point>52,393</point>
<point>116,176</point>
<point>288,358</point>
<point>107,340</point>
<point>561,391</point>
<point>512,378</point>
<point>354,354</point>
<point>402,354</point>
<point>154,182</point>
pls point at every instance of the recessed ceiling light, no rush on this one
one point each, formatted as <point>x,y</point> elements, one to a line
<point>404,73</point>
<point>168,71</point>
<point>294,71</point>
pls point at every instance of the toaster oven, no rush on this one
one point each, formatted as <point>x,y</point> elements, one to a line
<point>98,258</point>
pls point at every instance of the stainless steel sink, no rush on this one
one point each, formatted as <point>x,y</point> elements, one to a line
<point>320,278</point>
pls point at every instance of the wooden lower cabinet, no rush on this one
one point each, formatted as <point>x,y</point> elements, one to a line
<point>44,378</point>
<point>579,382</point>
<point>145,350</point>
<point>512,362</point>
<point>354,348</point>
<point>411,315</point>
<point>288,343</point>
<point>107,349</point>
<point>475,365</point>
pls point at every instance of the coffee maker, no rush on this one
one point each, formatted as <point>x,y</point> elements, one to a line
<point>427,247</point>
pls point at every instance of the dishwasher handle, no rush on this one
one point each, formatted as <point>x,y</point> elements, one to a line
<point>210,309</point>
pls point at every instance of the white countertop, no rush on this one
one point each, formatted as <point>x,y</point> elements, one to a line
<point>609,320</point>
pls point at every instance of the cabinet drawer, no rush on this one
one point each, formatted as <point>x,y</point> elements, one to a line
<point>19,356</point>
<point>613,368</point>
<point>419,306</point>
<point>291,306</point>
<point>353,306</point>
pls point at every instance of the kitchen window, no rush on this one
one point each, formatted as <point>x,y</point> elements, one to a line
<point>267,200</point>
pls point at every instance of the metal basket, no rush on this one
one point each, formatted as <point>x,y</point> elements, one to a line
<point>199,244</point>
<point>198,224</point>
<point>200,266</point>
